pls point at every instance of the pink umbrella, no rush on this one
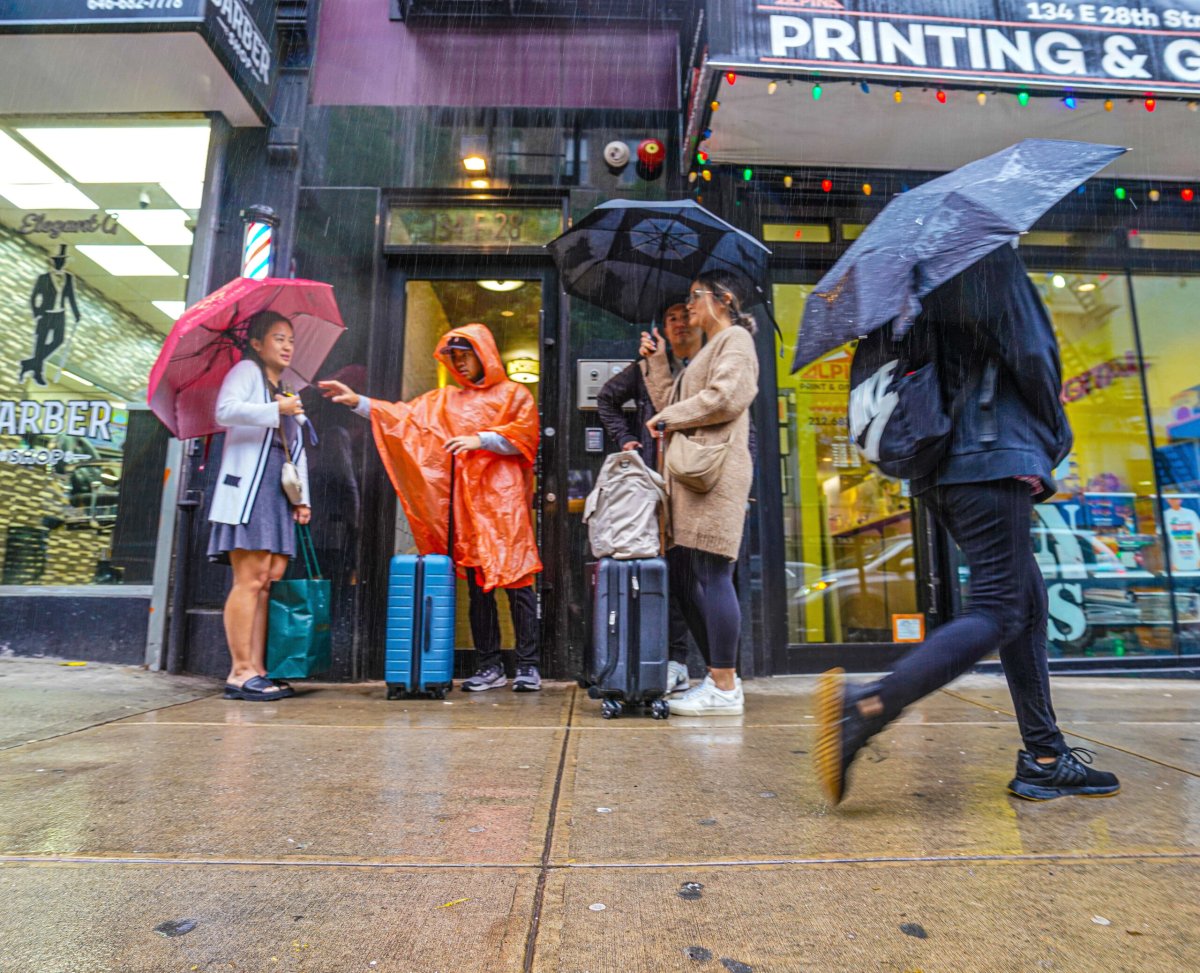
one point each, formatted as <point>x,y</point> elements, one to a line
<point>207,341</point>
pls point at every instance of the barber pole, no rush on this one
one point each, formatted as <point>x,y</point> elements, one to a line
<point>258,242</point>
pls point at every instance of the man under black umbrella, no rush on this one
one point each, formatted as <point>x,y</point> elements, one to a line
<point>995,340</point>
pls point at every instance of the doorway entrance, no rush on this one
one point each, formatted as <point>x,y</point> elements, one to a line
<point>514,302</point>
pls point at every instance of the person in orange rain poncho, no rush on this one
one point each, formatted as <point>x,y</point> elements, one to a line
<point>490,426</point>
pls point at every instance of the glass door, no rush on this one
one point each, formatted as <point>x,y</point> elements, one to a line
<point>517,301</point>
<point>511,310</point>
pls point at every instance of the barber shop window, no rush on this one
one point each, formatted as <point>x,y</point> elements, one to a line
<point>96,226</point>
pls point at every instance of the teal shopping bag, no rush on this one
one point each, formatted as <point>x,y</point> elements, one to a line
<point>298,634</point>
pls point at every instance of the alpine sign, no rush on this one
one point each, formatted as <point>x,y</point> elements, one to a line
<point>1152,46</point>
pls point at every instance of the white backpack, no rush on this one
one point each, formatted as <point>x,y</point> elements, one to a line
<point>621,512</point>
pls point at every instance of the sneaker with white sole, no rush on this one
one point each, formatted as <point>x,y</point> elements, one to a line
<point>528,680</point>
<point>707,700</point>
<point>489,677</point>
<point>677,678</point>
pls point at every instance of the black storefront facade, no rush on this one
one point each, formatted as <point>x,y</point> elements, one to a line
<point>127,134</point>
<point>804,119</point>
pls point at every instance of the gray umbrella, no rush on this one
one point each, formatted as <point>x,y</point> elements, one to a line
<point>931,233</point>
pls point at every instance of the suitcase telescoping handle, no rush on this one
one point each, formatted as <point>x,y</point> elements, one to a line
<point>662,513</point>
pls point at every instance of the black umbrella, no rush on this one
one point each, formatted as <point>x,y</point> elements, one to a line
<point>927,235</point>
<point>632,258</point>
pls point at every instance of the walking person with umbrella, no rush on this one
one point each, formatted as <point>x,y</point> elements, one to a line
<point>252,518</point>
<point>935,269</point>
<point>705,409</point>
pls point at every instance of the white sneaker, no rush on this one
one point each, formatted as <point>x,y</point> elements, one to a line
<point>707,700</point>
<point>677,677</point>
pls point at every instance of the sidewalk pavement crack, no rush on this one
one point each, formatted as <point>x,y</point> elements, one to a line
<point>116,718</point>
<point>539,894</point>
<point>1066,728</point>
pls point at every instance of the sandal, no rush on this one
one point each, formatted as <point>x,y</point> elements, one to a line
<point>256,689</point>
<point>282,684</point>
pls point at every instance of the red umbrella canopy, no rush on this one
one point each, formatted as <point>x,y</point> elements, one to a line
<point>207,341</point>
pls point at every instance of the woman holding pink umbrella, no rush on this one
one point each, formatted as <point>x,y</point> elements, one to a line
<point>252,517</point>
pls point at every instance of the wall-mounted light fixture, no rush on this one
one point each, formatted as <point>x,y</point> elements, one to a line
<point>501,286</point>
<point>524,370</point>
<point>474,154</point>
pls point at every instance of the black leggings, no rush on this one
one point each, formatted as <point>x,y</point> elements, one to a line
<point>704,585</point>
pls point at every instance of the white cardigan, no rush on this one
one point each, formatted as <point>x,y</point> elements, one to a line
<point>250,419</point>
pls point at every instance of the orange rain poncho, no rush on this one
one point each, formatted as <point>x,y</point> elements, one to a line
<point>493,527</point>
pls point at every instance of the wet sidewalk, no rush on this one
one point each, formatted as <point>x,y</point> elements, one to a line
<point>337,832</point>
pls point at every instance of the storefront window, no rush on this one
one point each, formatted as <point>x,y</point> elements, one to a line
<point>848,531</point>
<point>1166,308</point>
<point>96,223</point>
<point>1097,541</point>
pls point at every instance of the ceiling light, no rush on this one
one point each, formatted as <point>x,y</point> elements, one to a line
<point>172,309</point>
<point>475,163</point>
<point>156,227</point>
<point>19,165</point>
<point>128,261</point>
<point>1086,287</point>
<point>507,314</point>
<point>142,154</point>
<point>523,370</point>
<point>479,184</point>
<point>1058,280</point>
<point>61,195</point>
<point>501,286</point>
<point>186,194</point>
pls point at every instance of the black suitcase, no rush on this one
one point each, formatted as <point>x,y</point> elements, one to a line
<point>628,658</point>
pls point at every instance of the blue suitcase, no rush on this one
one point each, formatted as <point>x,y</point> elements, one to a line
<point>419,656</point>
<point>629,648</point>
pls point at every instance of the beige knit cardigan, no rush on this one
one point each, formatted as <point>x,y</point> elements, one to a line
<point>713,401</point>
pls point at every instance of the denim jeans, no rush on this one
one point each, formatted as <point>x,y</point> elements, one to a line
<point>485,624</point>
<point>991,523</point>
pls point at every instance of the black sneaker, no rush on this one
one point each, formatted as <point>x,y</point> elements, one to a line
<point>1066,777</point>
<point>841,730</point>
<point>528,680</point>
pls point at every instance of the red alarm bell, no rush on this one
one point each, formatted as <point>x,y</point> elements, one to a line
<point>651,153</point>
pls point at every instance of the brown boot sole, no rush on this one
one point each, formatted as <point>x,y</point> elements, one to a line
<point>827,756</point>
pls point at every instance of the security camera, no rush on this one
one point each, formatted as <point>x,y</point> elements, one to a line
<point>144,199</point>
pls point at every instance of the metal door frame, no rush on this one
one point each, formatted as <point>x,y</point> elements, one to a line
<point>385,349</point>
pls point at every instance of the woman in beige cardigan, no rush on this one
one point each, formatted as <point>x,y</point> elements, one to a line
<point>709,402</point>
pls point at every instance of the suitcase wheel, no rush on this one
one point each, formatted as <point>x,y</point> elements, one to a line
<point>396,691</point>
<point>593,692</point>
<point>437,694</point>
<point>659,709</point>
<point>610,709</point>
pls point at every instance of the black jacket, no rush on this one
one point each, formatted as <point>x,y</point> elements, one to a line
<point>625,427</point>
<point>1001,376</point>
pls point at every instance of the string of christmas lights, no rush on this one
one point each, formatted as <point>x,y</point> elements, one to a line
<point>1068,98</point>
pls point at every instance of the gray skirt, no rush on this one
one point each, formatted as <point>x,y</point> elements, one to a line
<point>271,527</point>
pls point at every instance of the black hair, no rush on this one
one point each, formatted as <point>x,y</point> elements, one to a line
<point>726,284</point>
<point>257,326</point>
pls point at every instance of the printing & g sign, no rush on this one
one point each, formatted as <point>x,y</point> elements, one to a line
<point>1151,46</point>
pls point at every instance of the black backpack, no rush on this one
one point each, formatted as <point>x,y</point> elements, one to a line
<point>897,414</point>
